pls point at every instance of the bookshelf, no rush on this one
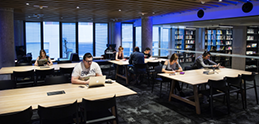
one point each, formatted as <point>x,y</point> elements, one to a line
<point>219,41</point>
<point>179,42</point>
<point>189,45</point>
<point>252,48</point>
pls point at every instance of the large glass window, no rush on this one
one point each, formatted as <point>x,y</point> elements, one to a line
<point>68,39</point>
<point>138,37</point>
<point>85,38</point>
<point>101,38</point>
<point>33,38</point>
<point>155,41</point>
<point>164,42</point>
<point>127,39</point>
<point>51,39</point>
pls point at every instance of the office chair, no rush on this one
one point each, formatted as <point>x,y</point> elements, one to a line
<point>22,117</point>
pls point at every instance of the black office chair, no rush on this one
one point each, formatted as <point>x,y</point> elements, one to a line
<point>140,70</point>
<point>22,117</point>
<point>56,80</point>
<point>98,111</point>
<point>23,64</point>
<point>216,88</point>
<point>66,71</point>
<point>249,85</point>
<point>42,74</point>
<point>158,69</point>
<point>235,85</point>
<point>7,84</point>
<point>24,78</point>
<point>59,114</point>
<point>64,61</point>
<point>151,71</point>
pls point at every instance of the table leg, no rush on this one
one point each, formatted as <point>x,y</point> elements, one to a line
<point>172,90</point>
<point>126,74</point>
<point>196,99</point>
<point>117,72</point>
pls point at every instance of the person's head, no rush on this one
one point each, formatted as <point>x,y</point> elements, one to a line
<point>173,58</point>
<point>120,48</point>
<point>147,50</point>
<point>110,47</point>
<point>136,49</point>
<point>42,53</point>
<point>206,55</point>
<point>88,59</point>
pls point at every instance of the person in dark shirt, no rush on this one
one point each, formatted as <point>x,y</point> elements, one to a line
<point>119,54</point>
<point>147,53</point>
<point>21,55</point>
<point>203,61</point>
<point>136,58</point>
<point>110,53</point>
<point>43,56</point>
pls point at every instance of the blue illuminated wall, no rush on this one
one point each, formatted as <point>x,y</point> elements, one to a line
<point>230,11</point>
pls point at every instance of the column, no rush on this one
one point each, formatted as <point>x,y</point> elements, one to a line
<point>239,47</point>
<point>146,31</point>
<point>199,41</point>
<point>115,34</point>
<point>7,51</point>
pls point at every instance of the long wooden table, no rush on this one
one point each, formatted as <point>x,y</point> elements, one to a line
<point>196,77</point>
<point>9,70</point>
<point>19,99</point>
<point>125,63</point>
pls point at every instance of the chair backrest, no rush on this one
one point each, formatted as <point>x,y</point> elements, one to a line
<point>56,80</point>
<point>99,105</point>
<point>7,84</point>
<point>64,61</point>
<point>188,68</point>
<point>23,74</point>
<point>74,57</point>
<point>58,114</point>
<point>64,71</point>
<point>158,69</point>
<point>217,84</point>
<point>140,66</point>
<point>23,64</point>
<point>44,72</point>
<point>234,80</point>
<point>23,117</point>
<point>248,77</point>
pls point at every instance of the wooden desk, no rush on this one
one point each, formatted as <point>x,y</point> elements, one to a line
<point>196,77</point>
<point>126,62</point>
<point>9,70</point>
<point>18,99</point>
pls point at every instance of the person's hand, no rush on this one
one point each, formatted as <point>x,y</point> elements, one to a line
<point>87,82</point>
<point>215,66</point>
<point>221,66</point>
<point>172,72</point>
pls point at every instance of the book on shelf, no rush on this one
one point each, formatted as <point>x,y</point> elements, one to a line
<point>228,42</point>
<point>250,52</point>
<point>250,37</point>
<point>250,31</point>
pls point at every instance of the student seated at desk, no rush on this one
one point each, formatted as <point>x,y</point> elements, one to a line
<point>43,56</point>
<point>203,61</point>
<point>85,69</point>
<point>147,53</point>
<point>119,55</point>
<point>172,66</point>
<point>136,58</point>
<point>109,52</point>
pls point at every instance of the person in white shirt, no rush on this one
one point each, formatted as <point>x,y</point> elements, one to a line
<point>85,69</point>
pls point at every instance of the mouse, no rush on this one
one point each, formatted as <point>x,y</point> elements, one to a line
<point>81,86</point>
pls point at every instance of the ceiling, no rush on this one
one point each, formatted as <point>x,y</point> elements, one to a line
<point>104,10</point>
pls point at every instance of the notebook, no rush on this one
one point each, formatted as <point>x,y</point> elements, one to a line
<point>42,62</point>
<point>97,81</point>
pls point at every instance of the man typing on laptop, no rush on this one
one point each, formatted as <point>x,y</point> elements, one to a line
<point>85,69</point>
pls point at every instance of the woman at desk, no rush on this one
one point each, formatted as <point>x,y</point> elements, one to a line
<point>43,56</point>
<point>119,55</point>
<point>172,66</point>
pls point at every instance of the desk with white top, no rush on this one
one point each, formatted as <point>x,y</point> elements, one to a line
<point>19,99</point>
<point>196,77</point>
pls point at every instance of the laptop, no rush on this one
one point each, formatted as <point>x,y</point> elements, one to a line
<point>96,81</point>
<point>42,62</point>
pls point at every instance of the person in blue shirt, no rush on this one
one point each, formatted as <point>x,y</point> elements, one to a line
<point>136,58</point>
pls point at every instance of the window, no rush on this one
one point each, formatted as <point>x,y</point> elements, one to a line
<point>33,38</point>
<point>155,41</point>
<point>51,39</point>
<point>68,39</point>
<point>138,37</point>
<point>164,42</point>
<point>101,38</point>
<point>127,38</point>
<point>85,38</point>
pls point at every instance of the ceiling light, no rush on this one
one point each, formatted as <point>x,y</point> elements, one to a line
<point>61,17</point>
<point>27,4</point>
<point>220,0</point>
<point>77,7</point>
<point>202,2</point>
<point>119,9</point>
<point>29,16</point>
<point>153,12</point>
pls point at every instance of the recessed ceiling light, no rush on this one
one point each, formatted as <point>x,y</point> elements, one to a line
<point>119,9</point>
<point>27,4</point>
<point>29,16</point>
<point>77,7</point>
<point>220,0</point>
<point>153,12</point>
<point>202,2</point>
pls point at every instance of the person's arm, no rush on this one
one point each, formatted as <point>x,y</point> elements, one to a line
<point>179,67</point>
<point>116,56</point>
<point>164,67</point>
<point>75,80</point>
<point>211,62</point>
<point>36,62</point>
<point>200,60</point>
<point>50,62</point>
<point>122,55</point>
